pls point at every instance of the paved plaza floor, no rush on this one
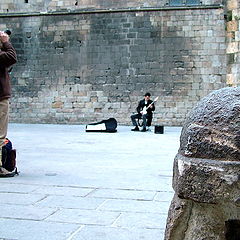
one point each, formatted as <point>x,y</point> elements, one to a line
<point>75,185</point>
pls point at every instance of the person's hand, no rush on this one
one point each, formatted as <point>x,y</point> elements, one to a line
<point>4,37</point>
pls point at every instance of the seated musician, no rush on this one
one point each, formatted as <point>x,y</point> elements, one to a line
<point>145,110</point>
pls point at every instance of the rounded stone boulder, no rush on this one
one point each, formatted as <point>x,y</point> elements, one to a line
<point>206,174</point>
<point>207,165</point>
<point>212,129</point>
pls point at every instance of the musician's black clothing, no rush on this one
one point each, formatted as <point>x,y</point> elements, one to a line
<point>142,104</point>
<point>147,118</point>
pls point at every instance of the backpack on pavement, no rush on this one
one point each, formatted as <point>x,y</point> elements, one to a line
<point>9,159</point>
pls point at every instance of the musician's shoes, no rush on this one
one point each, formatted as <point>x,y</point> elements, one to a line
<point>144,130</point>
<point>5,173</point>
<point>135,129</point>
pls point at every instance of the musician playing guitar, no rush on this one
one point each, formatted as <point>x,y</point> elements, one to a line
<point>145,108</point>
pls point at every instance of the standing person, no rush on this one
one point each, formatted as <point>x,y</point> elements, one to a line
<point>7,59</point>
<point>146,115</point>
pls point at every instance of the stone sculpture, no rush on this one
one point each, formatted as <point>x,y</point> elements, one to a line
<point>206,179</point>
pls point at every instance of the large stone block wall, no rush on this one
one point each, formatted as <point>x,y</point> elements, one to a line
<point>87,67</point>
<point>56,5</point>
<point>233,42</point>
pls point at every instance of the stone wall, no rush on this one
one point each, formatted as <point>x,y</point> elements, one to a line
<point>56,5</point>
<point>80,67</point>
<point>233,43</point>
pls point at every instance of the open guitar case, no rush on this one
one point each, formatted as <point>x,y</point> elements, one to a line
<point>109,125</point>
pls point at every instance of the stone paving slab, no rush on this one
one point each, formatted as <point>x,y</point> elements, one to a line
<point>164,196</point>
<point>77,185</point>
<point>25,212</point>
<point>69,191</point>
<point>70,202</point>
<point>135,206</point>
<point>86,217</point>
<point>20,198</point>
<point>17,188</point>
<point>141,220</point>
<point>12,229</point>
<point>114,233</point>
<point>123,194</point>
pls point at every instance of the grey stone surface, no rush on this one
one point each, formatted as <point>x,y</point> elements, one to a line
<point>135,206</point>
<point>114,233</point>
<point>206,181</point>
<point>86,217</point>
<point>20,198</point>
<point>206,171</point>
<point>26,212</point>
<point>35,230</point>
<point>71,202</point>
<point>78,185</point>
<point>58,190</point>
<point>123,194</point>
<point>207,166</point>
<point>51,5</point>
<point>15,188</point>
<point>81,68</point>
<point>212,128</point>
<point>141,220</point>
<point>164,196</point>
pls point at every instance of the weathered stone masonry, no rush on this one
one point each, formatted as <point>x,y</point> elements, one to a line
<point>82,66</point>
<point>233,42</point>
<point>206,179</point>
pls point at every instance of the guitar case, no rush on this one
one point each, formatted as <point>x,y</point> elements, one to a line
<point>109,125</point>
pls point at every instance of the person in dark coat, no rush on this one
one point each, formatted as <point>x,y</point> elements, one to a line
<point>7,58</point>
<point>146,115</point>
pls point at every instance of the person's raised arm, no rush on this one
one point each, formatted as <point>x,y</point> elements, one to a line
<point>7,54</point>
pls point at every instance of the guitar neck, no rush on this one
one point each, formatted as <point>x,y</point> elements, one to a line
<point>150,105</point>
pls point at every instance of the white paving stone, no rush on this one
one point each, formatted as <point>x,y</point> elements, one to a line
<point>78,185</point>
<point>141,220</point>
<point>20,198</point>
<point>164,196</point>
<point>17,188</point>
<point>25,212</point>
<point>35,230</point>
<point>88,217</point>
<point>114,233</point>
<point>71,202</point>
<point>135,206</point>
<point>63,191</point>
<point>123,194</point>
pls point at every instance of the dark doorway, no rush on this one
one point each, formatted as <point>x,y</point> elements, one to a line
<point>232,229</point>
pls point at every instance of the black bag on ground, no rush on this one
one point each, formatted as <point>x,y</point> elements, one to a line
<point>9,158</point>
